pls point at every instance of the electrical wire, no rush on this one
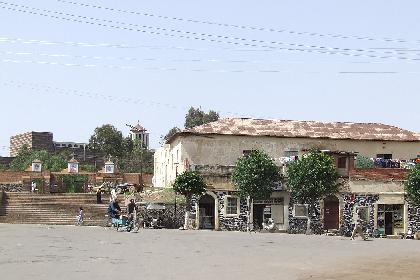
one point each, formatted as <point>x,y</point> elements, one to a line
<point>82,93</point>
<point>134,59</point>
<point>254,28</point>
<point>192,35</point>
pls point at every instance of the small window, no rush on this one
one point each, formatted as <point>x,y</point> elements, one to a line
<point>247,152</point>
<point>384,156</point>
<point>292,153</point>
<point>363,213</point>
<point>300,211</point>
<point>342,162</point>
<point>232,205</point>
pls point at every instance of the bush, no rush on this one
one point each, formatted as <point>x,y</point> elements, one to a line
<point>363,162</point>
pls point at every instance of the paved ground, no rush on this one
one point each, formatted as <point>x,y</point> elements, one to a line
<point>67,252</point>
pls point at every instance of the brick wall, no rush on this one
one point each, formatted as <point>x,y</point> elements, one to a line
<point>379,174</point>
<point>34,140</point>
<point>11,177</point>
<point>6,160</point>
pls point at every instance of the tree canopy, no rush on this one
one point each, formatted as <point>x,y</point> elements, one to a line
<point>196,117</point>
<point>255,175</point>
<point>170,133</point>
<point>363,162</point>
<point>139,159</point>
<point>108,140</point>
<point>51,162</point>
<point>313,177</point>
<point>412,186</point>
<point>189,183</point>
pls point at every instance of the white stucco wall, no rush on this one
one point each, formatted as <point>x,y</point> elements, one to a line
<point>225,150</point>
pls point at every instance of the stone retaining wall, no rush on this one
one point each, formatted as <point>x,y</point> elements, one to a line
<point>299,225</point>
<point>413,219</point>
<point>12,188</point>
<point>351,200</point>
<point>231,223</point>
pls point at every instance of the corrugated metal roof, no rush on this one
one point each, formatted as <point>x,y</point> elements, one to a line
<point>304,129</point>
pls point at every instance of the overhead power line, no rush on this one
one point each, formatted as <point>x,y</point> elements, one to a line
<point>89,45</point>
<point>47,89</point>
<point>151,68</point>
<point>196,70</point>
<point>193,35</point>
<point>134,59</point>
<point>251,41</point>
<point>238,26</point>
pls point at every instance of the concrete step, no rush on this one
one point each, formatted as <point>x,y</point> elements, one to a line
<point>59,209</point>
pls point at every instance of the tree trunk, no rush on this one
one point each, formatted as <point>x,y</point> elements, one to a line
<point>249,224</point>
<point>308,225</point>
<point>187,212</point>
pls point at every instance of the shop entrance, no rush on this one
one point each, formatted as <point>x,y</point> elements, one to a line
<point>390,219</point>
<point>331,213</point>
<point>388,223</point>
<point>206,209</point>
<point>263,210</point>
<point>258,214</point>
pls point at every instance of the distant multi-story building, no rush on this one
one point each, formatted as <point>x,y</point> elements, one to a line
<point>140,133</point>
<point>45,141</point>
<point>33,140</point>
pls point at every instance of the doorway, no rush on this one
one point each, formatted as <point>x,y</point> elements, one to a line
<point>206,212</point>
<point>258,214</point>
<point>388,223</point>
<point>331,213</point>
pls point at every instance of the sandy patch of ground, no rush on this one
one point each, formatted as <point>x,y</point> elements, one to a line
<point>68,252</point>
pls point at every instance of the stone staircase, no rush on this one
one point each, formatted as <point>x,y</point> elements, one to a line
<point>51,209</point>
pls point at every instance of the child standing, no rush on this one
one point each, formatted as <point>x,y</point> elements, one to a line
<point>80,217</point>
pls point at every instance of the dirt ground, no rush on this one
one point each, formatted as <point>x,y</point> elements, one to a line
<point>68,252</point>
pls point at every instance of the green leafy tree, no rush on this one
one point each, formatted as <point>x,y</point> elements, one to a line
<point>363,162</point>
<point>3,167</point>
<point>196,117</point>
<point>108,140</point>
<point>312,178</point>
<point>23,160</point>
<point>412,186</point>
<point>255,176</point>
<point>140,160</point>
<point>189,184</point>
<point>170,133</point>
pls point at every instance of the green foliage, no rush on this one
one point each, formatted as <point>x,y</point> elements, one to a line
<point>412,186</point>
<point>363,162</point>
<point>196,116</point>
<point>74,182</point>
<point>189,183</point>
<point>170,133</point>
<point>87,168</point>
<point>108,140</point>
<point>255,175</point>
<point>140,160</point>
<point>313,177</point>
<point>127,146</point>
<point>50,162</point>
<point>3,167</point>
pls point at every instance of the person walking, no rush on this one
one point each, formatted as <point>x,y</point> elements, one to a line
<point>358,227</point>
<point>99,196</point>
<point>80,217</point>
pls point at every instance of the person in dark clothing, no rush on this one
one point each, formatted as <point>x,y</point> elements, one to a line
<point>99,196</point>
<point>131,206</point>
<point>132,212</point>
<point>114,209</point>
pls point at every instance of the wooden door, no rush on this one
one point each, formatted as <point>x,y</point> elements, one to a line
<point>331,214</point>
<point>388,223</point>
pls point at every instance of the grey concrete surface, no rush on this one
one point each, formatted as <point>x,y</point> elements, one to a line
<point>68,252</point>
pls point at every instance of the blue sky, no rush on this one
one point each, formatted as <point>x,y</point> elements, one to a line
<point>305,60</point>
